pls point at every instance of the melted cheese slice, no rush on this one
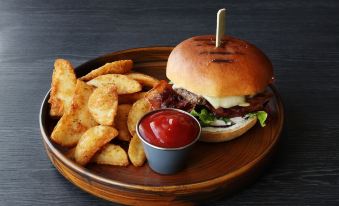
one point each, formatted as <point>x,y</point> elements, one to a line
<point>227,102</point>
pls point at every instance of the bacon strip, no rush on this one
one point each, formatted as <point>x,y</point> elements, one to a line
<point>163,96</point>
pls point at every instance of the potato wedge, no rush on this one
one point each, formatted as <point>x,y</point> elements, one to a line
<point>73,124</point>
<point>116,67</point>
<point>130,98</point>
<point>111,154</point>
<point>124,84</point>
<point>121,122</point>
<point>103,104</point>
<point>139,108</point>
<point>70,154</point>
<point>62,87</point>
<point>144,79</point>
<point>136,151</point>
<point>92,141</point>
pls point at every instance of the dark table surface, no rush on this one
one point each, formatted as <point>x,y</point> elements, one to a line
<point>300,37</point>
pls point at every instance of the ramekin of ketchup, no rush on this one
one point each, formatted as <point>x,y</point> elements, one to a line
<point>168,136</point>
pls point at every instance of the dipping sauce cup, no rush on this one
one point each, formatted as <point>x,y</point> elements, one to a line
<point>168,136</point>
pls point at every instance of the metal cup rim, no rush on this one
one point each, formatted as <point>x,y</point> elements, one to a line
<point>166,148</point>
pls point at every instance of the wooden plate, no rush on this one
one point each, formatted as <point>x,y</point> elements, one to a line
<point>214,169</point>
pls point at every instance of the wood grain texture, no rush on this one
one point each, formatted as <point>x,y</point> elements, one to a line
<point>300,37</point>
<point>212,170</point>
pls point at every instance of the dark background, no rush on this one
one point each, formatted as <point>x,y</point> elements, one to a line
<point>300,37</point>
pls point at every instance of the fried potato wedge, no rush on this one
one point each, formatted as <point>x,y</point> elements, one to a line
<point>121,122</point>
<point>70,154</point>
<point>144,79</point>
<point>124,84</point>
<point>74,123</point>
<point>136,151</point>
<point>92,141</point>
<point>111,154</point>
<point>103,104</point>
<point>130,98</point>
<point>139,108</point>
<point>62,87</point>
<point>116,67</point>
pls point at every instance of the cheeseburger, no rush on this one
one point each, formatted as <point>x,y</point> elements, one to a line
<point>223,87</point>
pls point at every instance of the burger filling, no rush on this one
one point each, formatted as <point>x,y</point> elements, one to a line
<point>210,111</point>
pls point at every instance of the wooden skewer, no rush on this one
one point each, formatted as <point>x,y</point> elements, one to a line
<point>220,27</point>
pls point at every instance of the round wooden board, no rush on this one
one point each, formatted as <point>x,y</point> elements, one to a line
<point>213,169</point>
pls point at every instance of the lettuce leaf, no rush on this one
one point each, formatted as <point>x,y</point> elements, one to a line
<point>225,119</point>
<point>206,118</point>
<point>261,115</point>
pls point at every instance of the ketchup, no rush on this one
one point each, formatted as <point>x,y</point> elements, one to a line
<point>169,129</point>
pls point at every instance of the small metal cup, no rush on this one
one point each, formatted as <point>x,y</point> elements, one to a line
<point>167,160</point>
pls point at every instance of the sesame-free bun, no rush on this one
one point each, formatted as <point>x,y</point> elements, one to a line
<point>233,69</point>
<point>228,133</point>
